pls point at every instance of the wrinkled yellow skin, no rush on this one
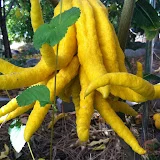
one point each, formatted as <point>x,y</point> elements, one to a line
<point>156,118</point>
<point>105,37</point>
<point>103,7</point>
<point>86,109</point>
<point>68,45</point>
<point>90,56</point>
<point>75,93</point>
<point>157,91</point>
<point>36,14</point>
<point>48,55</point>
<point>126,93</point>
<point>120,53</point>
<point>15,113</point>
<point>21,79</point>
<point>7,67</point>
<point>35,119</point>
<point>139,85</point>
<point>108,114</point>
<point>9,107</point>
<point>139,70</point>
<point>64,76</point>
<point>157,124</point>
<point>119,106</point>
<point>13,109</point>
<point>37,20</point>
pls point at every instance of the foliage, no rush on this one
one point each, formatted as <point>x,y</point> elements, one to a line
<point>19,27</point>
<point>146,17</point>
<point>53,32</point>
<point>30,95</point>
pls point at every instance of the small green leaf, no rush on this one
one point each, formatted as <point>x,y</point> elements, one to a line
<point>16,123</point>
<point>53,32</point>
<point>31,94</point>
<point>150,34</point>
<point>100,147</point>
<point>55,108</point>
<point>17,136</point>
<point>149,77</point>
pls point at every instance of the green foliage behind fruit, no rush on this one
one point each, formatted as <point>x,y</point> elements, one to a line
<point>18,20</point>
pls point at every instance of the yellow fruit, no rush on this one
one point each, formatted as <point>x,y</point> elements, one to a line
<point>157,124</point>
<point>156,116</point>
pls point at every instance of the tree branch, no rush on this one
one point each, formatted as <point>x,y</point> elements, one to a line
<point>125,21</point>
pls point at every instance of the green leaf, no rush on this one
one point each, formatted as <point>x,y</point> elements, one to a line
<point>146,17</point>
<point>31,94</point>
<point>53,32</point>
<point>16,123</point>
<point>17,136</point>
<point>41,36</point>
<point>100,147</point>
<point>150,34</point>
<point>149,77</point>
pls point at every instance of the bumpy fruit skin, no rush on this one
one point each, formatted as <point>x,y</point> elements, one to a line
<point>157,91</point>
<point>86,109</point>
<point>16,112</point>
<point>21,79</point>
<point>75,93</point>
<point>139,70</point>
<point>36,14</point>
<point>111,118</point>
<point>67,47</point>
<point>120,53</point>
<point>12,109</point>
<point>64,76</point>
<point>105,36</point>
<point>157,124</point>
<point>9,107</point>
<point>139,85</point>
<point>119,106</point>
<point>89,53</point>
<point>156,116</point>
<point>126,93</point>
<point>7,67</point>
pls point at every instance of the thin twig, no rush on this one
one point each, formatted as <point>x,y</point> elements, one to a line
<point>56,64</point>
<point>8,113</point>
<point>30,151</point>
<point>125,21</point>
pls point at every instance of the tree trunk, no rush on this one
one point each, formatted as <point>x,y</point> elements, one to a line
<point>6,43</point>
